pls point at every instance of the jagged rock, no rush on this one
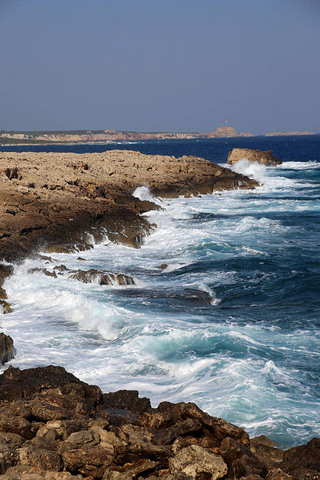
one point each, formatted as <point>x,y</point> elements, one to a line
<point>259,156</point>
<point>16,383</point>
<point>263,447</point>
<point>168,414</point>
<point>126,399</point>
<point>55,427</point>
<point>277,474</point>
<point>197,462</point>
<point>129,472</point>
<point>303,462</point>
<point>6,348</point>
<point>89,461</point>
<point>240,460</point>
<point>102,278</point>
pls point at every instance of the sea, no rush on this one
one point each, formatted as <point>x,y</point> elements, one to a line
<point>233,321</point>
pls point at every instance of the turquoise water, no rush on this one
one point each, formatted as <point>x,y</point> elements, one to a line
<point>232,323</point>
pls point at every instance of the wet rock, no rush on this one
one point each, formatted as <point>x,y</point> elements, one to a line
<point>102,278</point>
<point>44,271</point>
<point>6,348</point>
<point>6,308</point>
<point>197,462</point>
<point>259,156</point>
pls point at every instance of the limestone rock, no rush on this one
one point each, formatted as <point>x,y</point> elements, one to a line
<point>259,156</point>
<point>197,462</point>
<point>63,202</point>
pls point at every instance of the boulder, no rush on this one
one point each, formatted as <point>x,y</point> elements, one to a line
<point>6,348</point>
<point>259,156</point>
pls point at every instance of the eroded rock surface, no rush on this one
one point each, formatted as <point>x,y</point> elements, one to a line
<point>259,156</point>
<point>65,202</point>
<point>55,427</point>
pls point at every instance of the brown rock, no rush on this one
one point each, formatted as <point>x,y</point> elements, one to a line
<point>240,460</point>
<point>277,474</point>
<point>6,306</point>
<point>89,461</point>
<point>259,156</point>
<point>126,400</point>
<point>6,348</point>
<point>303,462</point>
<point>168,414</point>
<point>263,447</point>
<point>16,383</point>
<point>51,207</point>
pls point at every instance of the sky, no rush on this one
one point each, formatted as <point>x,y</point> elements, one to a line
<point>160,65</point>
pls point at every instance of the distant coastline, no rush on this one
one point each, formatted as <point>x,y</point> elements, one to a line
<point>113,136</point>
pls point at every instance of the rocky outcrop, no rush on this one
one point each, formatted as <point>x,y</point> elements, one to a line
<point>6,348</point>
<point>259,156</point>
<point>66,202</point>
<point>87,276</point>
<point>53,426</point>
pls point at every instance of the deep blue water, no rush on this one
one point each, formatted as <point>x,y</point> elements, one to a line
<point>232,324</point>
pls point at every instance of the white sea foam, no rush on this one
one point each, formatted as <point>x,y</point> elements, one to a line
<point>299,165</point>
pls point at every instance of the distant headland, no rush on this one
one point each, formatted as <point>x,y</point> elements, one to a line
<point>110,136</point>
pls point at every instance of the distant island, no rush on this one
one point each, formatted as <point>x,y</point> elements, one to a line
<point>279,134</point>
<point>111,136</point>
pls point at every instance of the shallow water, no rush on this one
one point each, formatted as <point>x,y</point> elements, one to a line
<point>232,323</point>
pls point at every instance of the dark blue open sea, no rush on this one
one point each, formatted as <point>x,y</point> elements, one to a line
<point>232,323</point>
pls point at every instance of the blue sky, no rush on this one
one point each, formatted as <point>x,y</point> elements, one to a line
<point>160,65</point>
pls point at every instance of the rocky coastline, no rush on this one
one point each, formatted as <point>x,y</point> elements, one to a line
<point>54,426</point>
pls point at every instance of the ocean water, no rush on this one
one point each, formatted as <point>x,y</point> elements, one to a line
<point>231,324</point>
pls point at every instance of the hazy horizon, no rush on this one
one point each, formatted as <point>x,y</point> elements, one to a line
<point>146,66</point>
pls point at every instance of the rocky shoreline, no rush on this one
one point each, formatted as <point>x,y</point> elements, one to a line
<point>54,426</point>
